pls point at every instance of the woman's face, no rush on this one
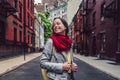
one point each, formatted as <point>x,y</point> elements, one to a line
<point>59,27</point>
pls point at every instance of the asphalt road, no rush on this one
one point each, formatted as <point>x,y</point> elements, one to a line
<point>31,71</point>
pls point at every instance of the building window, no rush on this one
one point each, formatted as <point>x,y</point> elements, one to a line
<point>46,7</point>
<point>20,14</point>
<point>2,30</point>
<point>64,10</point>
<point>15,31</point>
<point>118,40</point>
<point>31,39</point>
<point>102,11</point>
<point>31,21</point>
<point>28,20</point>
<point>31,5</point>
<point>102,41</point>
<point>1,33</point>
<point>28,3</point>
<point>94,1</point>
<point>94,18</point>
<point>15,35</point>
<point>15,4</point>
<point>64,17</point>
<point>20,36</point>
<point>54,14</point>
<point>28,38</point>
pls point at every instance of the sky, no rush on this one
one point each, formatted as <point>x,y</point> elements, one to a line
<point>37,1</point>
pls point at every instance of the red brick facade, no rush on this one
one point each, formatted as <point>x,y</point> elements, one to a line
<point>16,31</point>
<point>101,28</point>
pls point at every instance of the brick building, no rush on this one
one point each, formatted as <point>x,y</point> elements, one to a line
<point>76,27</point>
<point>48,5</point>
<point>104,28</point>
<point>101,28</point>
<point>16,27</point>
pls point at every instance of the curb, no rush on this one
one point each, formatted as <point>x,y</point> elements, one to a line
<point>17,66</point>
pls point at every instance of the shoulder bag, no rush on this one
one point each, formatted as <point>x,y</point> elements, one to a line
<point>43,71</point>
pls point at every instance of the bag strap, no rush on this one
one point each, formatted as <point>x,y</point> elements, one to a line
<point>69,59</point>
<point>68,56</point>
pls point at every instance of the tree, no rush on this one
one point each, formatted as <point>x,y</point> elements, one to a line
<point>47,24</point>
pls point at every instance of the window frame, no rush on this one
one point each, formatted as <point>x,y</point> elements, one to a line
<point>102,41</point>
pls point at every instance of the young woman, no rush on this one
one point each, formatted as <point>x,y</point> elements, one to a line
<point>54,57</point>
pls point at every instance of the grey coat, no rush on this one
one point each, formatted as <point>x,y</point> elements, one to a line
<point>53,61</point>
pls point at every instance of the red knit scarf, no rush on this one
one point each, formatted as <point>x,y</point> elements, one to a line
<point>61,42</point>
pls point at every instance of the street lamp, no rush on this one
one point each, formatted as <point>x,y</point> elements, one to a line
<point>24,45</point>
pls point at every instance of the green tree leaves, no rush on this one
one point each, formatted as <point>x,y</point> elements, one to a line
<point>47,24</point>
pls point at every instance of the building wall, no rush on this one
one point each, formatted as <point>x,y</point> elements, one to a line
<point>15,40</point>
<point>29,23</point>
<point>60,11</point>
<point>48,5</point>
<point>39,32</point>
<point>103,32</point>
<point>78,34</point>
<point>99,31</point>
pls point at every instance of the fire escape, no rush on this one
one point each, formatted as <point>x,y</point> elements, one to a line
<point>87,8</point>
<point>7,7</point>
<point>113,11</point>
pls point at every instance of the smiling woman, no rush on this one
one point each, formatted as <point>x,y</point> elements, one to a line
<point>57,58</point>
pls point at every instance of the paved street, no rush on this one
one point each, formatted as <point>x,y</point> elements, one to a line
<point>31,71</point>
<point>87,72</point>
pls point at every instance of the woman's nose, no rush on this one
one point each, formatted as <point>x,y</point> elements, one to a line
<point>55,25</point>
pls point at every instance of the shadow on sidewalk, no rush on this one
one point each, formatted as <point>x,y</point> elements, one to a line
<point>114,63</point>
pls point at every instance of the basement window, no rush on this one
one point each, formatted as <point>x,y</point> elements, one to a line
<point>118,41</point>
<point>2,30</point>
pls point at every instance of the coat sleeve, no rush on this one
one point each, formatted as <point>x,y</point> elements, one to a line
<point>45,61</point>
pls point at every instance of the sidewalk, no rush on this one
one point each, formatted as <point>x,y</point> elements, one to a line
<point>107,66</point>
<point>12,63</point>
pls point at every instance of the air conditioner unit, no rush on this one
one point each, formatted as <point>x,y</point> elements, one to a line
<point>16,13</point>
<point>102,18</point>
<point>31,27</point>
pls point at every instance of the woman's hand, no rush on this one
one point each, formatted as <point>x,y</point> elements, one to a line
<point>74,67</point>
<point>66,66</point>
